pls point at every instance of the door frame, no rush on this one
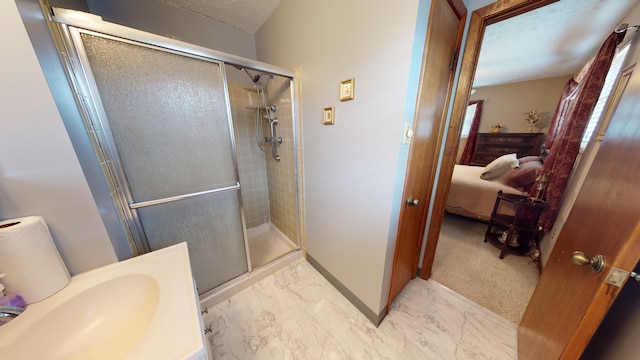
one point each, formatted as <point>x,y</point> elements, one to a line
<point>480,19</point>
<point>424,148</point>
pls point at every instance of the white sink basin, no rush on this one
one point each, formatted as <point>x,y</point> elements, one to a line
<point>142,308</point>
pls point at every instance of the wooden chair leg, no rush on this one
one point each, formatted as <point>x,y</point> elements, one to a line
<point>507,241</point>
<point>486,234</point>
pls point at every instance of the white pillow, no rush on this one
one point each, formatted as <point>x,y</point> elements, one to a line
<point>500,166</point>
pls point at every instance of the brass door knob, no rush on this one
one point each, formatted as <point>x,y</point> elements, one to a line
<point>597,262</point>
<point>413,202</point>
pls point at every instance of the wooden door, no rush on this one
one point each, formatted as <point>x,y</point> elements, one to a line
<point>442,45</point>
<point>570,301</point>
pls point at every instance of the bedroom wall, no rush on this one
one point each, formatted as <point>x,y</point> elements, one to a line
<point>507,103</point>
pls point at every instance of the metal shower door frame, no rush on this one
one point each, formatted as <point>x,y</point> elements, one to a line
<point>97,126</point>
<point>70,24</point>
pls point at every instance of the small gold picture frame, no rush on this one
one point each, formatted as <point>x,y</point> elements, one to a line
<point>346,89</point>
<point>327,116</point>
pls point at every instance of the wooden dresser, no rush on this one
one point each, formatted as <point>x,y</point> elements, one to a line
<point>490,146</point>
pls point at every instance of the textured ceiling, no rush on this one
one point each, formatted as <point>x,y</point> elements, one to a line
<point>554,40</point>
<point>247,15</point>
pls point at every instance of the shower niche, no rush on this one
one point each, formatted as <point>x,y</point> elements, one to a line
<point>195,145</point>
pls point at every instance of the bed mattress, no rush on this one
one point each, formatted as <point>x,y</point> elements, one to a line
<point>473,197</point>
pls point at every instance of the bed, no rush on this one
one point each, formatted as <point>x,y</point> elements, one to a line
<point>474,197</point>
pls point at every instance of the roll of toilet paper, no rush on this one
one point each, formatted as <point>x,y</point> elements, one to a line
<point>30,259</point>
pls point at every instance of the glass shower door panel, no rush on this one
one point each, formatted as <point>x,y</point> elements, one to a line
<point>211,226</point>
<point>168,118</point>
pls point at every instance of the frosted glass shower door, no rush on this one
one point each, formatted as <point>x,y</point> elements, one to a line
<point>168,128</point>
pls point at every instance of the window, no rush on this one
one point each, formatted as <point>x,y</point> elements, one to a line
<point>468,119</point>
<point>609,83</point>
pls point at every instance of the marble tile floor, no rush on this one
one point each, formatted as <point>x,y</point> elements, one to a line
<point>297,314</point>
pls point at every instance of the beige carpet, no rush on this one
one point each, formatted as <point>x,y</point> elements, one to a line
<point>469,266</point>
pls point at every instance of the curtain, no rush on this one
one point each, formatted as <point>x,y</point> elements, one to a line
<point>561,111</point>
<point>465,159</point>
<point>571,122</point>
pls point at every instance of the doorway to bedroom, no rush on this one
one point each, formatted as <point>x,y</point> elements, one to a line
<point>462,261</point>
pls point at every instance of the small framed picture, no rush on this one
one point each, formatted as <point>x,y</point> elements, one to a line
<point>346,89</point>
<point>327,116</point>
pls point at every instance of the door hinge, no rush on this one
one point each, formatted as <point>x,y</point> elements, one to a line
<point>454,59</point>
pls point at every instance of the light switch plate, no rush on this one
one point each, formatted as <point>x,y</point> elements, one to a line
<point>407,133</point>
<point>327,116</point>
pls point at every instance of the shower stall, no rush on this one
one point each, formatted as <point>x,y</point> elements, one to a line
<point>262,114</point>
<point>195,145</point>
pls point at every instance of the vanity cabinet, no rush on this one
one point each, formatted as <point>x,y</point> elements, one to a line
<point>490,146</point>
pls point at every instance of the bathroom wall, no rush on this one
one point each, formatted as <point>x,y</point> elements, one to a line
<point>161,18</point>
<point>473,5</point>
<point>39,171</point>
<point>351,168</point>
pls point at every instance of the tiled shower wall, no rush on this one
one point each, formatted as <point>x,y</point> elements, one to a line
<point>281,175</point>
<point>251,160</point>
<point>268,187</point>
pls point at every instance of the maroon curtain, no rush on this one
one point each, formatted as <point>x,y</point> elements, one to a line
<point>570,127</point>
<point>561,110</point>
<point>465,159</point>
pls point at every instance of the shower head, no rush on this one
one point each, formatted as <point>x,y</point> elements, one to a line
<point>252,77</point>
<point>255,78</point>
<point>624,27</point>
<point>262,79</point>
